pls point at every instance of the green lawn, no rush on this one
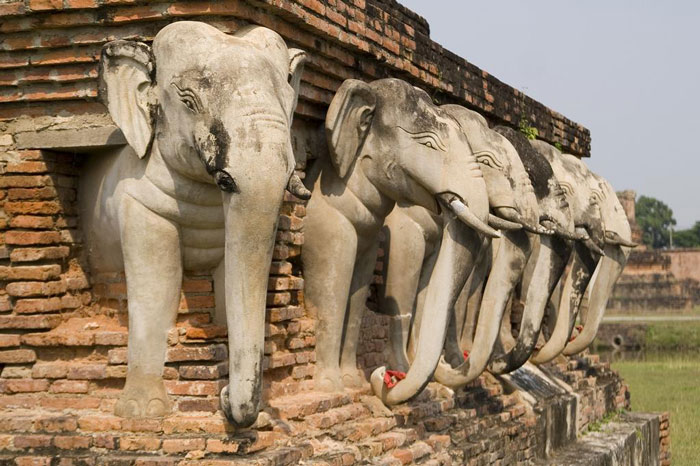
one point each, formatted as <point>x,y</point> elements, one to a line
<point>669,381</point>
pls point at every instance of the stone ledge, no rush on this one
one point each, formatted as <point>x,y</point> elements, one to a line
<point>631,439</point>
<point>74,140</point>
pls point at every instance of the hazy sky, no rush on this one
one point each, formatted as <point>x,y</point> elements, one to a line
<point>628,70</point>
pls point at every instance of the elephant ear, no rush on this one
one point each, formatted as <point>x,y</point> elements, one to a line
<point>348,121</point>
<point>297,60</point>
<point>126,76</point>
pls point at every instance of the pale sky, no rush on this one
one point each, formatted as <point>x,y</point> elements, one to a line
<point>628,70</point>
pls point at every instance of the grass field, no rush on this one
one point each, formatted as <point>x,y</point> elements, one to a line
<point>669,381</point>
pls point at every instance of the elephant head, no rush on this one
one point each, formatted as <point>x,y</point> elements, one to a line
<point>549,258</point>
<point>618,244</point>
<point>584,198</point>
<point>217,109</point>
<point>512,199</point>
<point>389,143</point>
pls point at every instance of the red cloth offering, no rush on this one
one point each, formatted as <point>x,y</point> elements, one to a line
<point>391,378</point>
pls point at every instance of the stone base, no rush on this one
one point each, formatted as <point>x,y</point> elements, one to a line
<point>631,438</point>
<point>525,417</point>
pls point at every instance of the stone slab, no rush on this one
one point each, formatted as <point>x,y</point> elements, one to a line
<point>74,140</point>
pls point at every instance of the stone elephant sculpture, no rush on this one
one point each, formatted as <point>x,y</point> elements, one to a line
<point>618,244</point>
<point>547,262</point>
<point>478,315</point>
<point>207,117</point>
<point>413,239</point>
<point>585,196</point>
<point>388,143</point>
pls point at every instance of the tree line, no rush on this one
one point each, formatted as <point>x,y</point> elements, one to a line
<point>656,221</point>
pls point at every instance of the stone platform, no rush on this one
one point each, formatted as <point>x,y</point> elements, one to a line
<point>526,417</point>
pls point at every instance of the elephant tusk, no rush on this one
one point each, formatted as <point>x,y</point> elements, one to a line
<point>559,230</point>
<point>590,244</point>
<point>502,224</point>
<point>581,234</point>
<point>613,238</point>
<point>513,215</point>
<point>296,187</point>
<point>467,216</point>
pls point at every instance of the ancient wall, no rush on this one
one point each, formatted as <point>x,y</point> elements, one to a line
<point>655,280</point>
<point>63,329</point>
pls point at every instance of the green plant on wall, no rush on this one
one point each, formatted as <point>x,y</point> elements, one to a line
<point>529,131</point>
<point>558,146</point>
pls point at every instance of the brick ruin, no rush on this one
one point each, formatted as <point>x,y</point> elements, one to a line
<point>63,330</point>
<point>656,280</point>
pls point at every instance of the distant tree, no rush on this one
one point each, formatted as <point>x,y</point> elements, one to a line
<point>689,238</point>
<point>655,219</point>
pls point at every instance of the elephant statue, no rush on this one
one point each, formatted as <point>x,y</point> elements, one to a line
<point>199,187</point>
<point>413,239</point>
<point>388,143</point>
<point>547,262</point>
<point>477,319</point>
<point>586,199</point>
<point>618,245</point>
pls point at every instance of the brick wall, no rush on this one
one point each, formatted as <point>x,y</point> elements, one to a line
<point>63,330</point>
<point>50,49</point>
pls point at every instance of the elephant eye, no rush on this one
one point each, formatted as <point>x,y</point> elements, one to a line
<point>566,187</point>
<point>427,139</point>
<point>189,98</point>
<point>487,158</point>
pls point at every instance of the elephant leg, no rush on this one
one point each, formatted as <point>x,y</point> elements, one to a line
<point>153,267</point>
<point>397,298</point>
<point>329,259</point>
<point>359,291</point>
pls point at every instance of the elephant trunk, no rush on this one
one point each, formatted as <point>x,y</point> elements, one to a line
<point>551,260</point>
<point>606,276</point>
<point>507,268</point>
<point>512,215</point>
<point>575,286</point>
<point>249,244</point>
<point>458,249</point>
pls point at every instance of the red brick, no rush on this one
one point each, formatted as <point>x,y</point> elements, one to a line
<point>50,370</point>
<point>39,5</point>
<point>69,386</point>
<point>12,8</point>
<point>32,441</point>
<point>63,403</point>
<point>197,286</point>
<point>23,385</point>
<point>222,445</point>
<point>184,444</point>
<point>197,353</point>
<point>142,425</point>
<point>56,424</point>
<point>37,305</point>
<point>81,4</point>
<point>87,371</point>
<point>30,289</point>
<point>139,443</point>
<point>26,238</point>
<point>35,254</point>
<point>22,181</point>
<point>40,272</point>
<point>194,388</point>
<point>99,423</point>
<point>31,222</point>
<point>71,442</point>
<point>33,461</point>
<point>8,340</point>
<point>33,207</point>
<point>17,356</point>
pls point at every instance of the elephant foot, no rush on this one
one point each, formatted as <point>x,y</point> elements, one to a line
<point>353,378</point>
<point>328,381</point>
<point>144,396</point>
